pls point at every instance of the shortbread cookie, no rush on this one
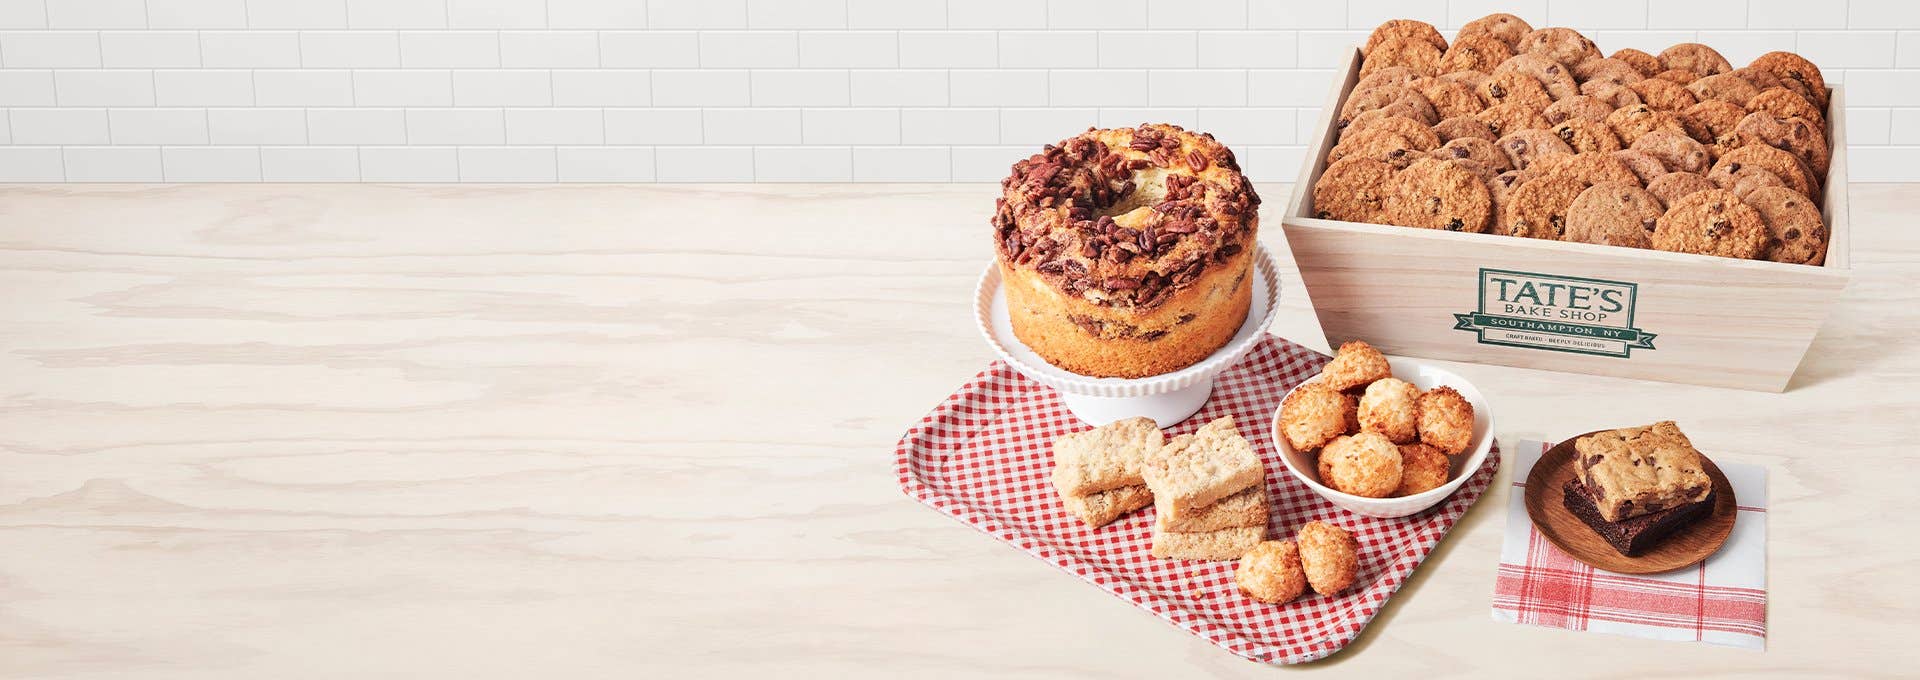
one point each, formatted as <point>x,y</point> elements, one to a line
<point>1526,147</point>
<point>1725,87</point>
<point>1353,190</point>
<point>1500,26</point>
<point>1446,420</point>
<point>1795,231</point>
<point>1672,187</point>
<point>1247,508</point>
<point>1315,414</point>
<point>1587,136</point>
<point>1644,166</point>
<point>1270,572</point>
<point>1797,74</point>
<point>1460,127</point>
<point>1413,53</point>
<point>1329,555</point>
<point>1614,214</point>
<point>1366,464</point>
<point>1356,363</point>
<point>1101,508</point>
<point>1711,222</point>
<point>1106,457</point>
<point>1563,45</point>
<point>1439,194</point>
<point>1217,546</point>
<point>1422,468</point>
<point>1390,407</point>
<point>1695,57</point>
<point>1400,29</point>
<point>1580,107</point>
<point>1475,53</point>
<point>1676,151</point>
<point>1196,470</point>
<point>1646,64</point>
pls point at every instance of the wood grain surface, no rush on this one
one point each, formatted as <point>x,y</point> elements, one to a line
<point>1546,506</point>
<point>260,431</point>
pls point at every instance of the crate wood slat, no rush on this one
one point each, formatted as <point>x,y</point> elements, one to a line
<point>1715,321</point>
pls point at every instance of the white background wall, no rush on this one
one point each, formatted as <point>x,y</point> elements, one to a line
<point>773,90</point>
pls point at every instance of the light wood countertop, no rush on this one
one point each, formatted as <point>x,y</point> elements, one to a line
<point>294,431</point>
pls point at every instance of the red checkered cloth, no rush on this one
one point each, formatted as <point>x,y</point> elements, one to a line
<point>1721,601</point>
<point>984,457</point>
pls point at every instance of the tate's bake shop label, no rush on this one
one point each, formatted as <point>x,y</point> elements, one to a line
<point>1563,313</point>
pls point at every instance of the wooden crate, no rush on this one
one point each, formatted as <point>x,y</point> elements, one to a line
<point>1601,310</point>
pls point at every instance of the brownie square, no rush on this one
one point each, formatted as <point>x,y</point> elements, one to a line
<point>1633,535</point>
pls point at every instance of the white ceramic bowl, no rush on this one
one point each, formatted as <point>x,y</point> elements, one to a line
<point>1424,376</point>
<point>1167,398</point>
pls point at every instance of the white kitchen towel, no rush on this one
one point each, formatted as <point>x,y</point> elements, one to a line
<point>1721,601</point>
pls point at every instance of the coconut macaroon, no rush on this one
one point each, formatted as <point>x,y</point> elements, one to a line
<point>1329,555</point>
<point>1314,414</point>
<point>1357,363</point>
<point>1446,420</point>
<point>1366,464</point>
<point>1271,572</point>
<point>1390,407</point>
<point>1422,467</point>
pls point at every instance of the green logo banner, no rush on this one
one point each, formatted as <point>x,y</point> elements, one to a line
<point>1558,313</point>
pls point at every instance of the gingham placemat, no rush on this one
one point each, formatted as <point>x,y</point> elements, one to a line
<point>984,455</point>
<point>1721,601</point>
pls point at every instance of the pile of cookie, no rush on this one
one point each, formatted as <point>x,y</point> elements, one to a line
<point>1393,440</point>
<point>1522,132</point>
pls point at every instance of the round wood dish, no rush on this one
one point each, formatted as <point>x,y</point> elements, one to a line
<point>1685,547</point>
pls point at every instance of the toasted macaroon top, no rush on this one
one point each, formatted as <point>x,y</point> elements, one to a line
<point>1123,217</point>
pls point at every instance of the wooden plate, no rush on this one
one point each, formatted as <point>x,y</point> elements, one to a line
<point>1687,546</point>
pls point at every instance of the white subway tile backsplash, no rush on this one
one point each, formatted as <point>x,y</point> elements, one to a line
<point>1881,14</point>
<point>349,49</point>
<point>396,14</point>
<point>1248,49</point>
<point>1149,49</point>
<point>210,164</point>
<point>1097,14</point>
<point>50,49</point>
<point>1033,127</point>
<point>1133,117</point>
<point>1237,127</point>
<point>307,14</point>
<point>358,126</point>
<point>1907,49</point>
<point>502,88</point>
<point>676,127</point>
<point>850,126</point>
<point>708,14</point>
<point>1740,47</point>
<point>1293,14</point>
<point>1846,49</point>
<point>605,164</point>
<point>1620,14</point>
<point>902,164</point>
<point>746,127</point>
<point>1651,42</point>
<point>103,88</point>
<point>595,14</point>
<point>149,49</point>
<point>1874,126</point>
<point>1174,14</point>
<point>549,49</point>
<point>1369,13</point>
<point>849,49</point>
<point>24,14</point>
<point>250,49</point>
<point>802,164</point>
<point>986,163</point>
<point>1697,14</point>
<point>97,14</point>
<point>949,126</point>
<point>409,164</point>
<point>948,49</point>
<point>1797,14</point>
<point>653,49</point>
<point>395,87</point>
<point>452,49</point>
<point>602,88</point>
<point>60,126</point>
<point>897,14</point>
<point>1049,49</point>
<point>31,164</point>
<point>549,127</point>
<point>1459,12</point>
<point>801,88</point>
<point>820,14</point>
<point>973,87</point>
<point>243,127</point>
<point>1197,88</point>
<point>703,163</point>
<point>1271,163</point>
<point>1105,87</point>
<point>1871,87</point>
<point>498,13</point>
<point>303,88</point>
<point>995,14</point>
<point>143,127</point>
<point>26,88</point>
<point>309,164</point>
<point>1288,88</point>
<point>456,126</point>
<point>508,164</point>
<point>203,88</point>
<point>742,49</point>
<point>196,14</point>
<point>899,88</point>
<point>1328,49</point>
<point>112,163</point>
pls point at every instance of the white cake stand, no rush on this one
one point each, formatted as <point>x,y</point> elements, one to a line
<point>1167,398</point>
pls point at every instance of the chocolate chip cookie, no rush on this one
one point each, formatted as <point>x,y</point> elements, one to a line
<point>1711,222</point>
<point>1538,209</point>
<point>1646,64</point>
<point>1798,136</point>
<point>1614,214</point>
<point>1795,231</point>
<point>1512,117</point>
<point>1727,171</point>
<point>1785,103</point>
<point>1695,57</point>
<point>1376,143</point>
<point>1413,53</point>
<point>1554,76</point>
<point>1391,75</point>
<point>1674,186</point>
<point>1513,87</point>
<point>1795,73</point>
<point>1761,79</point>
<point>1676,151</point>
<point>1504,27</point>
<point>1563,45</point>
<point>1663,95</point>
<point>1479,53</point>
<point>1439,194</point>
<point>1395,99</point>
<point>1526,147</point>
<point>1354,190</point>
<point>1611,69</point>
<point>1725,87</point>
<point>1678,75</point>
<point>1755,179</point>
<point>1450,98</point>
<point>1632,121</point>
<point>1587,168</point>
<point>1420,136</point>
<point>1612,94</point>
<point>1711,123</point>
<point>1586,135</point>
<point>1397,29</point>
<point>1460,127</point>
<point>1644,166</point>
<point>1475,149</point>
<point>1578,107</point>
<point>1501,188</point>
